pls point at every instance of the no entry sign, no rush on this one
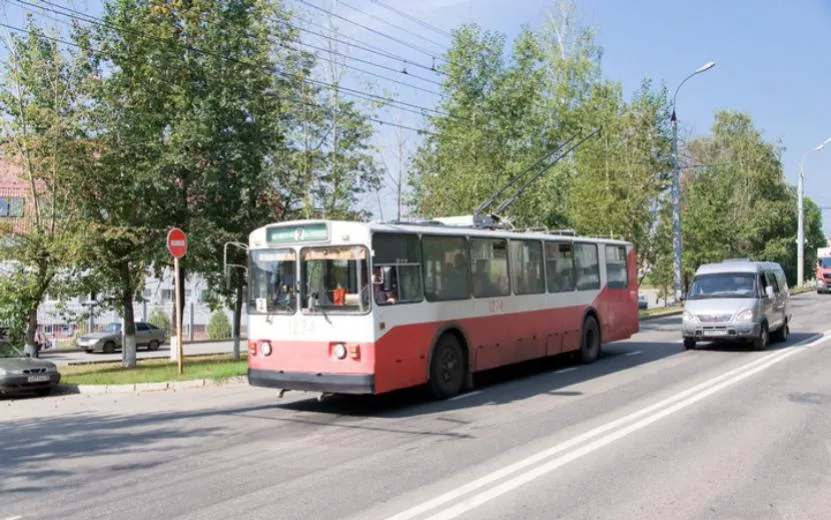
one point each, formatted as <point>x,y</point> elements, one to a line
<point>177,242</point>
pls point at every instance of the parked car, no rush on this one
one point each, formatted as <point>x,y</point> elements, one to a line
<point>109,340</point>
<point>643,303</point>
<point>21,374</point>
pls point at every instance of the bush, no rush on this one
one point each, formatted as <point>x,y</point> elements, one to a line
<point>160,319</point>
<point>220,326</point>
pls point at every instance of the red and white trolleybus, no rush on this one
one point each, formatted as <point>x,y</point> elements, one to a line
<point>366,308</point>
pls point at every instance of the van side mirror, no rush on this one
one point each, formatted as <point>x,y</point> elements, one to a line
<point>769,291</point>
<point>682,297</point>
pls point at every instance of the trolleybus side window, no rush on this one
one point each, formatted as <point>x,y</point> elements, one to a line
<point>616,272</point>
<point>587,266</point>
<point>446,268</point>
<point>334,278</point>
<point>489,267</point>
<point>526,267</point>
<point>271,286</point>
<point>398,257</point>
<point>559,258</point>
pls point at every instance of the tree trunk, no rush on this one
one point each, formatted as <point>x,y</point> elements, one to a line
<point>29,348</point>
<point>128,347</point>
<point>237,319</point>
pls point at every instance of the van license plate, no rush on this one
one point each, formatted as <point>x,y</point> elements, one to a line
<point>718,333</point>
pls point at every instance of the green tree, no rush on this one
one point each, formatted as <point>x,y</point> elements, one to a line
<point>219,327</point>
<point>43,104</point>
<point>624,173</point>
<point>737,202</point>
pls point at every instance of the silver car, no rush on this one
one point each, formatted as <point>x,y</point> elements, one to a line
<point>109,340</point>
<point>20,374</point>
<point>737,300</point>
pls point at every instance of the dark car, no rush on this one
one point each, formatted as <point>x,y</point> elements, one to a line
<point>643,303</point>
<point>20,374</point>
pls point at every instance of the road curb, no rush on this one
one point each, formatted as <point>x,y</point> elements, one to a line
<point>175,386</point>
<point>661,315</point>
<point>242,341</point>
<point>243,353</point>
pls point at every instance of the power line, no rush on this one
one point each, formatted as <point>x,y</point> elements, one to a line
<point>357,69</point>
<point>77,15</point>
<point>280,98</point>
<point>364,46</point>
<point>374,65</point>
<point>375,17</point>
<point>414,19</point>
<point>370,73</point>
<point>370,29</point>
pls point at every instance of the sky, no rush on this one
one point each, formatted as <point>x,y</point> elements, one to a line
<point>772,61</point>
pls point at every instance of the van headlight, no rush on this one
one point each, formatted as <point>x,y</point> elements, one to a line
<point>688,316</point>
<point>745,315</point>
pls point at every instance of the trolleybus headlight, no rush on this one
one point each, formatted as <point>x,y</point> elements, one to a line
<point>340,351</point>
<point>265,346</point>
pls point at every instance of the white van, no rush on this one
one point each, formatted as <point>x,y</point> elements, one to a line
<point>737,300</point>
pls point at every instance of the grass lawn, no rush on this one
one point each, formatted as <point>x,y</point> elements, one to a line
<point>155,371</point>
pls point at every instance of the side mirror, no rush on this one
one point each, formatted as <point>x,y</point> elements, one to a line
<point>769,291</point>
<point>682,297</point>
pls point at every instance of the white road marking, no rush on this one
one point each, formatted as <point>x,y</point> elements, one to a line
<point>469,394</point>
<point>18,517</point>
<point>564,370</point>
<point>634,353</point>
<point>671,405</point>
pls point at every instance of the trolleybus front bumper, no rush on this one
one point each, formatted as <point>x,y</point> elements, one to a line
<point>313,381</point>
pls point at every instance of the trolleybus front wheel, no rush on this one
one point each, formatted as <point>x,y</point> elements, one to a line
<point>447,367</point>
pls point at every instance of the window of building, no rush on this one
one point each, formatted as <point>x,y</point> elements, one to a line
<point>396,266</point>
<point>446,268</point>
<point>4,206</point>
<point>489,267</point>
<point>559,258</point>
<point>618,275</point>
<point>526,267</point>
<point>167,294</point>
<point>587,266</point>
<point>16,207</point>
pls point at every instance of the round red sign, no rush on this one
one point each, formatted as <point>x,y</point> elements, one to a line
<point>177,242</point>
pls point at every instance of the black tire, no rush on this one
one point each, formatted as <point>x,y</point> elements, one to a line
<point>447,368</point>
<point>109,347</point>
<point>43,392</point>
<point>590,343</point>
<point>761,343</point>
<point>689,344</point>
<point>153,345</point>
<point>782,333</point>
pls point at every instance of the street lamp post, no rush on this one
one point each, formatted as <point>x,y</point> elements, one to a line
<point>676,187</point>
<point>800,238</point>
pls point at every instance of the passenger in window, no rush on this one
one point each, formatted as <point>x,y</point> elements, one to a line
<point>381,296</point>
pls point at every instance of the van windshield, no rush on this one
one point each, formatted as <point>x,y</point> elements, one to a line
<point>825,262</point>
<point>723,285</point>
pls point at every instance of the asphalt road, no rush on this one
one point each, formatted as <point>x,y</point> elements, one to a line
<point>190,349</point>
<point>649,431</point>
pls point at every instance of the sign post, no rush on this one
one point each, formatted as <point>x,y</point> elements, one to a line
<point>177,244</point>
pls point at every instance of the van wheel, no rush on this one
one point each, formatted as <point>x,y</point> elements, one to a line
<point>447,368</point>
<point>761,343</point>
<point>689,344</point>
<point>590,344</point>
<point>782,333</point>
